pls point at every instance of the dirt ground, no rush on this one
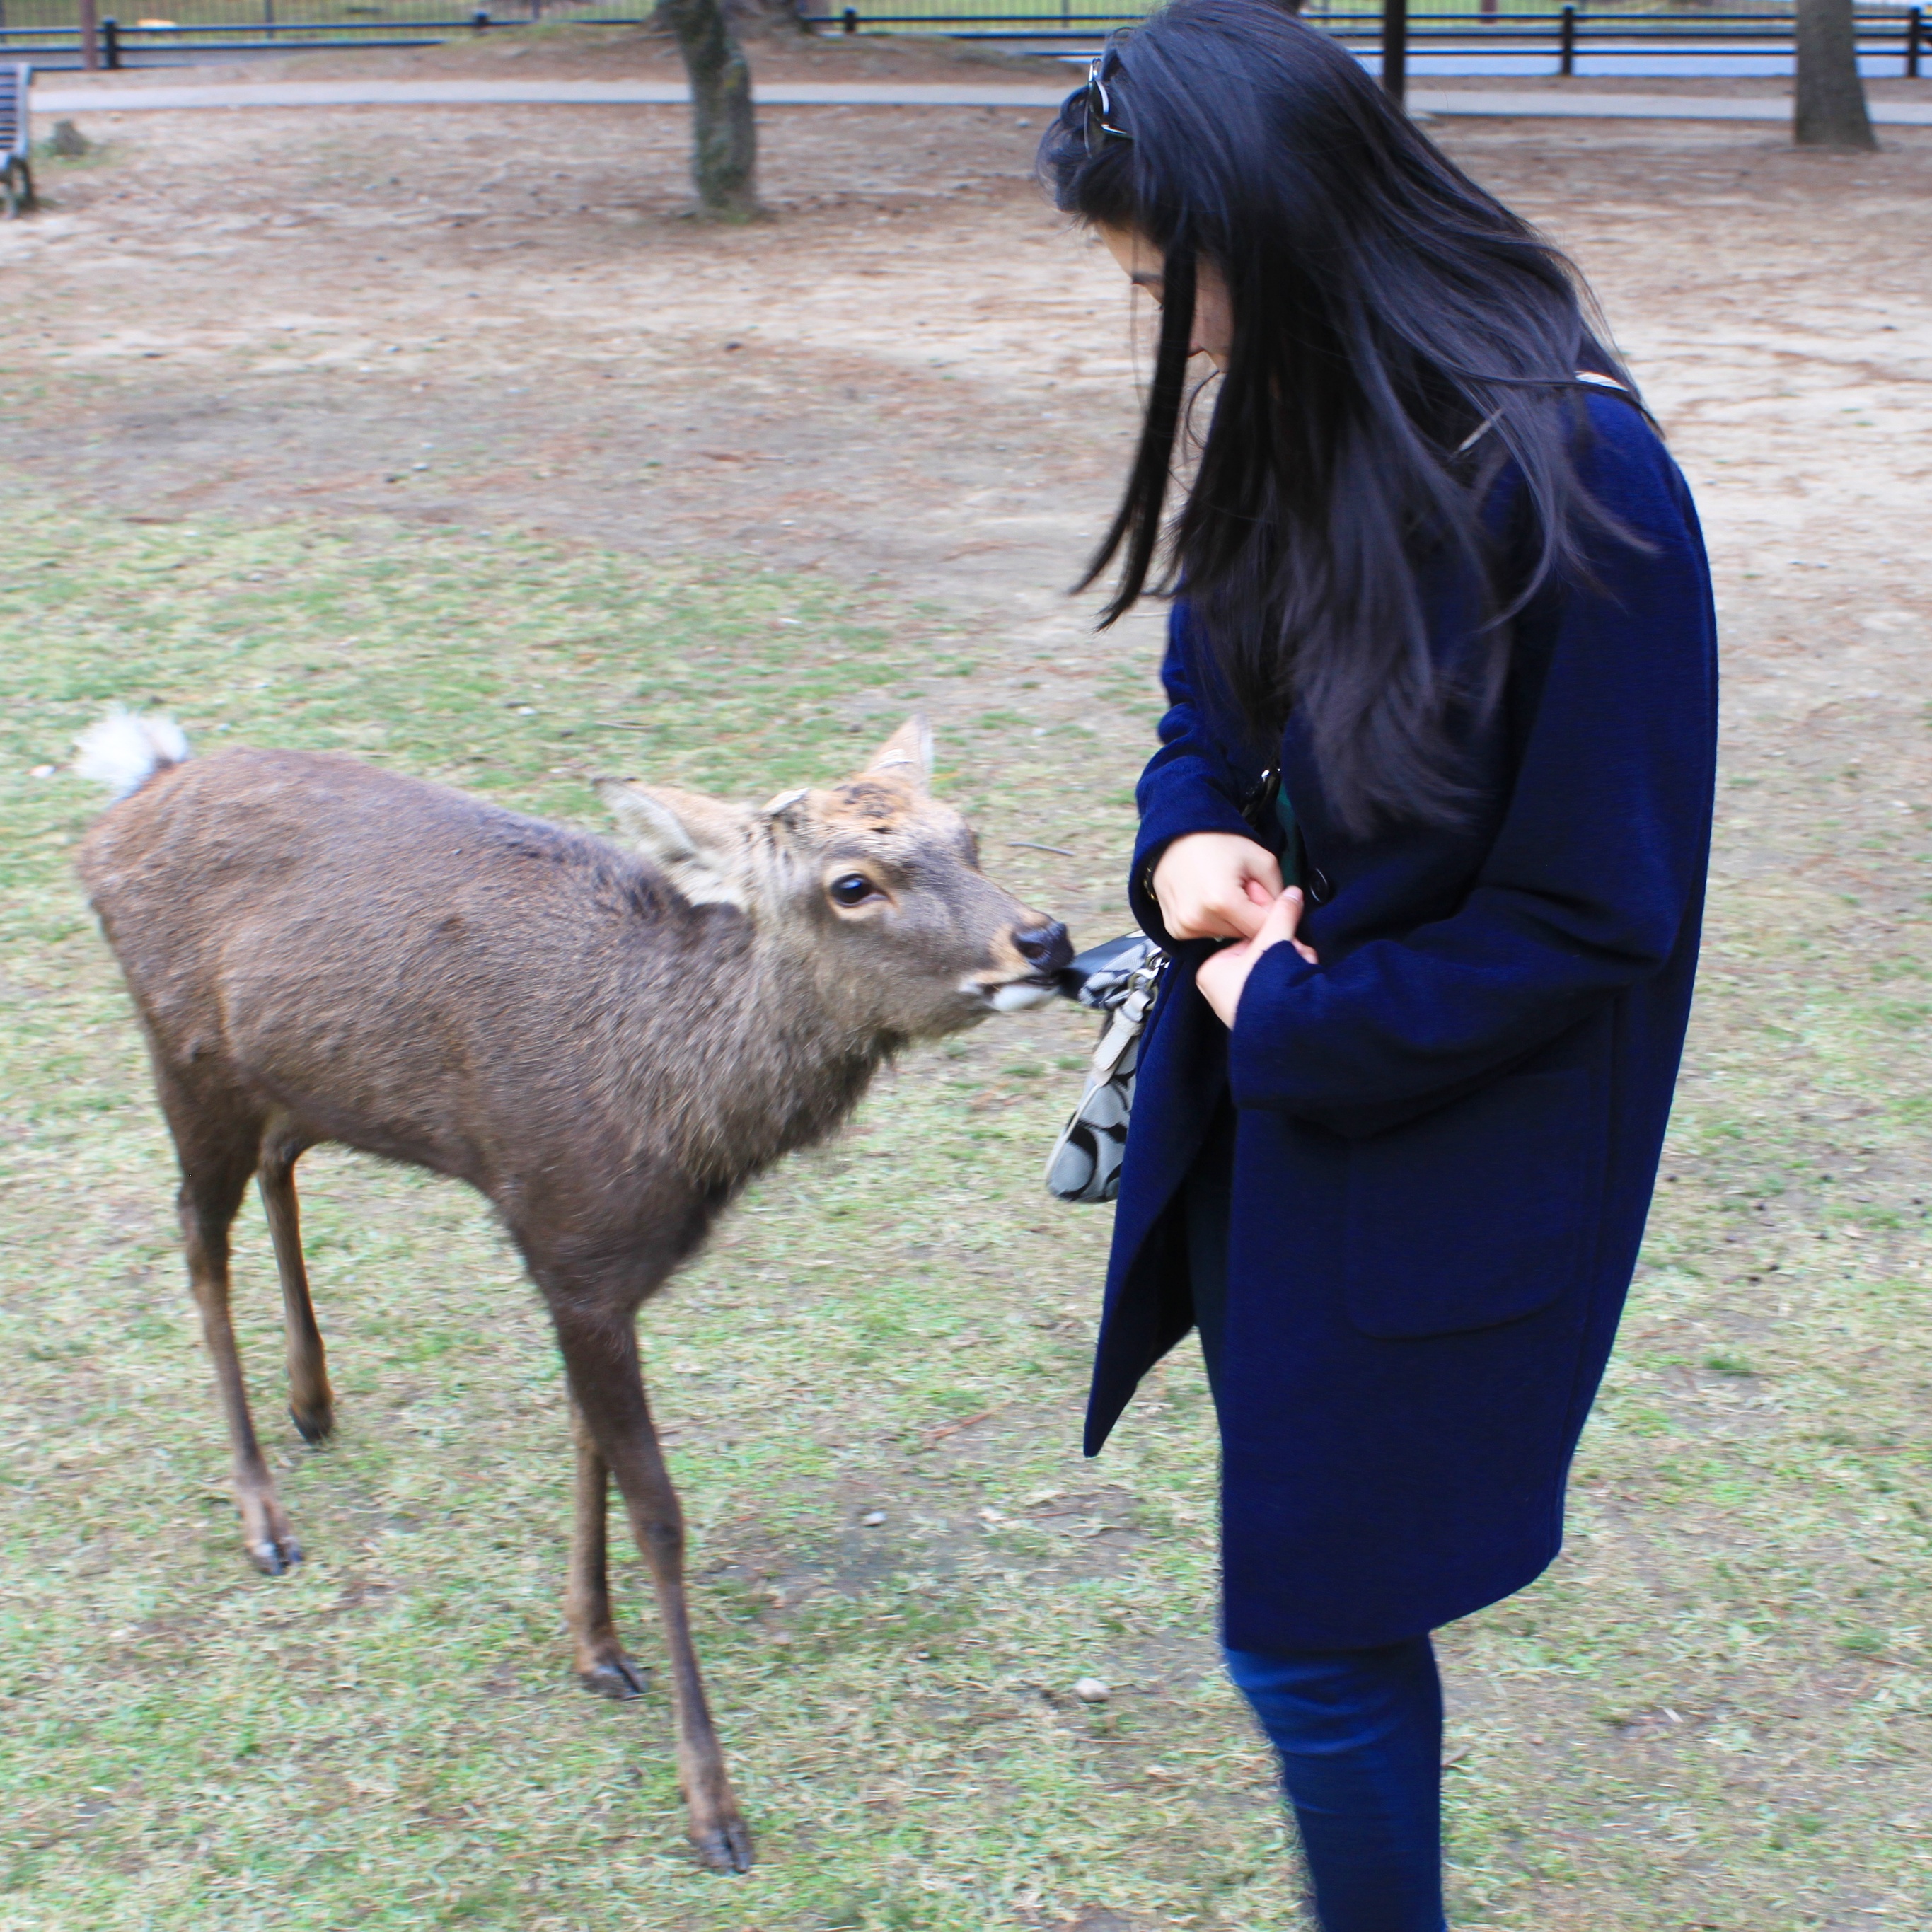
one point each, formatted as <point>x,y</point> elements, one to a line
<point>912,373</point>
<point>913,381</point>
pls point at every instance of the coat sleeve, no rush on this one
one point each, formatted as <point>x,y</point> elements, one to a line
<point>1188,785</point>
<point>1600,859</point>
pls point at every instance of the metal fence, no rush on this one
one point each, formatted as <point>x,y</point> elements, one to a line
<point>1891,39</point>
<point>57,33</point>
<point>1563,40</point>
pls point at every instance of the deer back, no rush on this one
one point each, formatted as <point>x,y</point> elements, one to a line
<point>412,970</point>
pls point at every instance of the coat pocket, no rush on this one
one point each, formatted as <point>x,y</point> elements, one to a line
<point>1477,1214</point>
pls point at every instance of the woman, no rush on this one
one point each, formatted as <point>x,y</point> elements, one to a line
<point>1426,837</point>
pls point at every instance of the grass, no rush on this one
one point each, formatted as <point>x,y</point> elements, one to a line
<point>1713,1712</point>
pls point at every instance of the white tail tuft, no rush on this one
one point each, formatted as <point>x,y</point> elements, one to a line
<point>126,748</point>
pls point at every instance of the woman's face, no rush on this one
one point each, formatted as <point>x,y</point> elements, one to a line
<point>1141,262</point>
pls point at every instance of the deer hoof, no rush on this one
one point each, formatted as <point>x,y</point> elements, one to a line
<point>725,1845</point>
<point>275,1555</point>
<point>315,1427</point>
<point>614,1676</point>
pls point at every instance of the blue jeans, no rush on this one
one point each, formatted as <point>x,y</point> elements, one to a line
<point>1360,1736</point>
<point>1359,1732</point>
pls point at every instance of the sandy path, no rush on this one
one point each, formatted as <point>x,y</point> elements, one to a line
<point>915,371</point>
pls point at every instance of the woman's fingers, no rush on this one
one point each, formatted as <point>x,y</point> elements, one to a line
<point>1197,918</point>
<point>1231,916</point>
<point>1284,915</point>
<point>1283,922</point>
<point>1261,868</point>
<point>1215,885</point>
<point>1221,978</point>
<point>1224,974</point>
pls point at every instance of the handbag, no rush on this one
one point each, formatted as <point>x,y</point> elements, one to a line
<point>1121,979</point>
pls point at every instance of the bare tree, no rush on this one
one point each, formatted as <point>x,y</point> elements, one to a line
<point>725,135</point>
<point>1829,108</point>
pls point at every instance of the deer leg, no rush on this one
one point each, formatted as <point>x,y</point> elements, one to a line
<point>311,1401</point>
<point>212,1185</point>
<point>601,1665</point>
<point>600,1352</point>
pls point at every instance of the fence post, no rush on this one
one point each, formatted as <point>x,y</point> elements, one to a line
<point>851,20</point>
<point>110,44</point>
<point>1566,63</point>
<point>90,37</point>
<point>1395,48</point>
<point>1914,36</point>
<point>479,19</point>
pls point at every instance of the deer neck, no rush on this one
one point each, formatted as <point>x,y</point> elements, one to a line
<point>762,1057</point>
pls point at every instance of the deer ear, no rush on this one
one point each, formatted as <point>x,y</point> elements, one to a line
<point>907,753</point>
<point>698,843</point>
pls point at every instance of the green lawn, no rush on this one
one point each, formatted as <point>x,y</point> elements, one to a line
<point>1713,1713</point>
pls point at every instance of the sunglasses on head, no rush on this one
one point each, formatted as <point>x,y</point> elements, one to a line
<point>1098,109</point>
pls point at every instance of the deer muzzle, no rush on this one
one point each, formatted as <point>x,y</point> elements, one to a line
<point>1040,953</point>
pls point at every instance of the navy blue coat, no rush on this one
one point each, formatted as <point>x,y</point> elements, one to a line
<point>1447,1132</point>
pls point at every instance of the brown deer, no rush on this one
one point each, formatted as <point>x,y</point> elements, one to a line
<point>607,1046</point>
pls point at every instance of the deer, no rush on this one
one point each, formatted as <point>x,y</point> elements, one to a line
<point>607,1043</point>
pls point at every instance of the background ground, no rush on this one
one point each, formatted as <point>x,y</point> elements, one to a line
<point>440,437</point>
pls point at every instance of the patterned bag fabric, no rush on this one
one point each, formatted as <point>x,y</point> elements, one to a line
<point>1119,980</point>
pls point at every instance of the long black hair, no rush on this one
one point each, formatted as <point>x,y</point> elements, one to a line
<point>1399,337</point>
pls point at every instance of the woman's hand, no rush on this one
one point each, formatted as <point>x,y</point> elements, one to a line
<point>1216,885</point>
<point>1223,975</point>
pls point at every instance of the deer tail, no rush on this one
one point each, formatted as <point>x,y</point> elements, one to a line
<point>128,748</point>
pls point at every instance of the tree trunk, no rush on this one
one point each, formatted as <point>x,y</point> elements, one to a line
<point>1829,107</point>
<point>725,136</point>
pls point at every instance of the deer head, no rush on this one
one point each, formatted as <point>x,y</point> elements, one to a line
<point>872,886</point>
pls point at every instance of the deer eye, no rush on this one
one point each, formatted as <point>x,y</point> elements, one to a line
<point>854,889</point>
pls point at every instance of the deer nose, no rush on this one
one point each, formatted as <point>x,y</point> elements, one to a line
<point>1045,948</point>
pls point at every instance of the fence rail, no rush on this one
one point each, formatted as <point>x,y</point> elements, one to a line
<point>122,44</point>
<point>1569,32</point>
<point>1566,34</point>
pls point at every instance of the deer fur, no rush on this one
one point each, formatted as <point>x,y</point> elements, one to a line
<point>607,1044</point>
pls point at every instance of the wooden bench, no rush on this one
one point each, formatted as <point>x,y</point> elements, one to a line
<point>17,173</point>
